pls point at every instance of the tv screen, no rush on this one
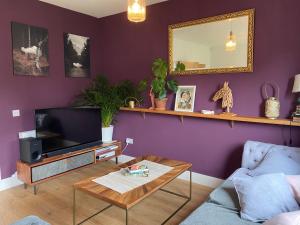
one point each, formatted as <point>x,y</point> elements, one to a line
<point>68,129</point>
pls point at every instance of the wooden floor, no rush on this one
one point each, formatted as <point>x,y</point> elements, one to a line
<point>53,203</point>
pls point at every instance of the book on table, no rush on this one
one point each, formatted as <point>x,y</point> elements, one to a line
<point>136,170</point>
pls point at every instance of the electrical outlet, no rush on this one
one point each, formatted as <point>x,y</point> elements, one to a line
<point>129,141</point>
<point>16,113</point>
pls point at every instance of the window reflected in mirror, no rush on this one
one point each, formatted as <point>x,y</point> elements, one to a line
<point>213,45</point>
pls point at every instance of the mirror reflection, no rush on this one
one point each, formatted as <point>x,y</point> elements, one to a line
<point>216,44</point>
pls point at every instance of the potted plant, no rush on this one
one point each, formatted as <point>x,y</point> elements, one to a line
<point>109,98</point>
<point>160,85</point>
<point>179,67</point>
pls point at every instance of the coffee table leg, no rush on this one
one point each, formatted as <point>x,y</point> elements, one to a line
<point>188,197</point>
<point>126,216</point>
<point>74,206</point>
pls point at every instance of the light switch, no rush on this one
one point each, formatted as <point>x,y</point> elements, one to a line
<point>16,113</point>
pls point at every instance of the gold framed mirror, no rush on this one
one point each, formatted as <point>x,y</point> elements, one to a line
<point>219,44</point>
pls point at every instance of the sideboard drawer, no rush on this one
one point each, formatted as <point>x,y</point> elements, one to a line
<point>61,166</point>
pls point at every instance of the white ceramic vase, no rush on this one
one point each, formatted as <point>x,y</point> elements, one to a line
<point>107,134</point>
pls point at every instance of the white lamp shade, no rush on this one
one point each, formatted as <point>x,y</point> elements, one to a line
<point>296,87</point>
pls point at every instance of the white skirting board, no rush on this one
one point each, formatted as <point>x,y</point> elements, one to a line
<point>124,158</point>
<point>201,179</point>
<point>10,182</point>
<point>197,178</point>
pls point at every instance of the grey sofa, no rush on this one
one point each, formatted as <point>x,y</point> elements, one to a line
<point>31,220</point>
<point>222,206</point>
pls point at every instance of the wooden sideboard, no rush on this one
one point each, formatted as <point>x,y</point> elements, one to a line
<point>52,167</point>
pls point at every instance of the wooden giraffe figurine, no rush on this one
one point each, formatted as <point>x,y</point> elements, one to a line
<point>225,94</point>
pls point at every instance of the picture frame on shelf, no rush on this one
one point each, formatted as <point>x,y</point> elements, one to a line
<point>185,99</point>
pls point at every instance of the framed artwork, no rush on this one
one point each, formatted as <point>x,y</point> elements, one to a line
<point>77,55</point>
<point>30,50</point>
<point>185,98</point>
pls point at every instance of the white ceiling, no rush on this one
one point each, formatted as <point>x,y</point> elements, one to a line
<point>96,8</point>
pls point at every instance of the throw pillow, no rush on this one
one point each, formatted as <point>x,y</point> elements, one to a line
<point>276,161</point>
<point>292,218</point>
<point>263,197</point>
<point>294,181</point>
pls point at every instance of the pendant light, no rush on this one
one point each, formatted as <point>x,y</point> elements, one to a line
<point>136,10</point>
<point>231,40</point>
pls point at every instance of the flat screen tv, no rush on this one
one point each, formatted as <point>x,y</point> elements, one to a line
<point>64,130</point>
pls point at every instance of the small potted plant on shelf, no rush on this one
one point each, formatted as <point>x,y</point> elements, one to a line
<point>180,67</point>
<point>161,85</point>
<point>109,98</point>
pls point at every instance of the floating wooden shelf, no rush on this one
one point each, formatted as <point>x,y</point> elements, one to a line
<point>231,119</point>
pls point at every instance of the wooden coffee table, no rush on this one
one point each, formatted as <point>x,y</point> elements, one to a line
<point>130,199</point>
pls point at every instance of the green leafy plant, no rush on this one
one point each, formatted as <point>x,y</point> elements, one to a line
<point>127,89</point>
<point>179,67</point>
<point>109,97</point>
<point>160,85</point>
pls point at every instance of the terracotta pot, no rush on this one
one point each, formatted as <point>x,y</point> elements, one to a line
<point>160,104</point>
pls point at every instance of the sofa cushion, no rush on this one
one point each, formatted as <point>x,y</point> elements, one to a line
<point>212,214</point>
<point>276,162</point>
<point>291,218</point>
<point>294,181</point>
<point>263,197</point>
<point>225,195</point>
<point>31,220</point>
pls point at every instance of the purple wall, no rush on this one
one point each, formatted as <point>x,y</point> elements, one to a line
<point>28,93</point>
<point>127,51</point>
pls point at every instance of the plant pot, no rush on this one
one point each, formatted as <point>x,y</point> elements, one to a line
<point>107,134</point>
<point>160,104</point>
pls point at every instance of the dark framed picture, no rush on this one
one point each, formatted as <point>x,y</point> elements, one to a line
<point>77,55</point>
<point>30,50</point>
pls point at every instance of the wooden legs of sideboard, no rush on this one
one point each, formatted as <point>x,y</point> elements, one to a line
<point>35,189</point>
<point>117,160</point>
